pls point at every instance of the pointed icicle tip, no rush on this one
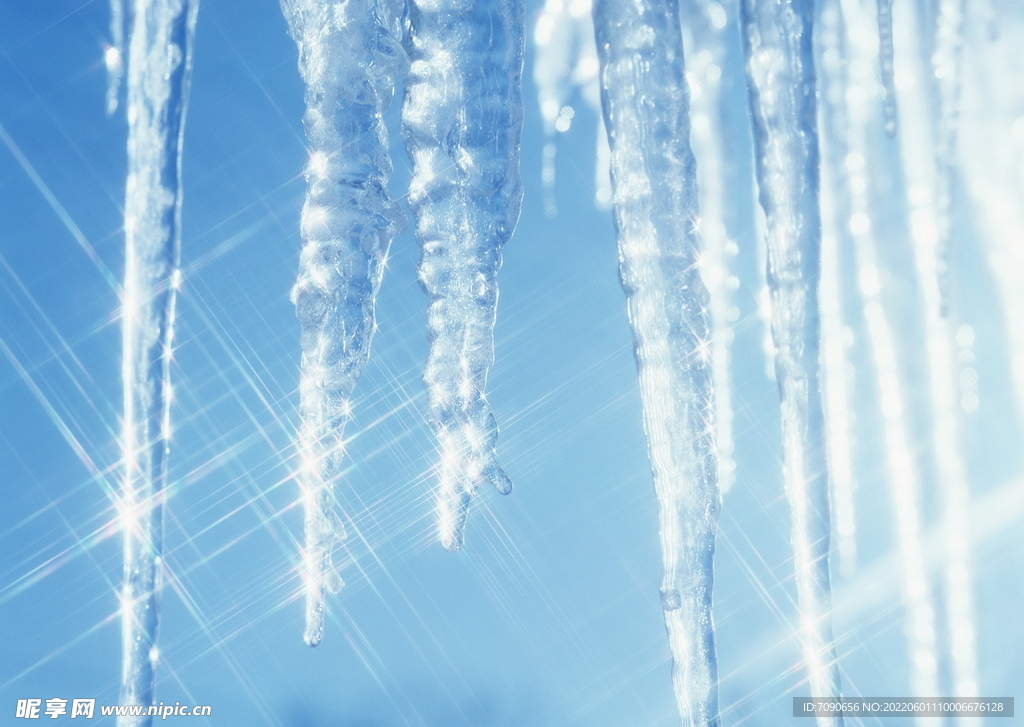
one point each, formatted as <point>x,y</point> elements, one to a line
<point>314,632</point>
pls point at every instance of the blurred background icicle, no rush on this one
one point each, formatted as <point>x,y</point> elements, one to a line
<point>565,66</point>
<point>836,254</point>
<point>646,107</point>
<point>704,34</point>
<point>462,122</point>
<point>927,169</point>
<point>349,57</point>
<point>946,69</point>
<point>113,55</point>
<point>851,68</point>
<point>159,70</point>
<point>780,70</point>
<point>885,63</point>
<point>991,155</point>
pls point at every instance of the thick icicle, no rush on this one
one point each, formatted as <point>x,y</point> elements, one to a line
<point>922,149</point>
<point>462,121</point>
<point>349,57</point>
<point>705,23</point>
<point>780,69</point>
<point>646,106</point>
<point>886,52</point>
<point>836,245</point>
<point>566,63</point>
<point>159,66</point>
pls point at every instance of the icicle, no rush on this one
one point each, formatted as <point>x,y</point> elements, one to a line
<point>159,67</point>
<point>885,62</point>
<point>646,98</point>
<point>836,244</point>
<point>924,196</point>
<point>902,470</point>
<point>113,55</point>
<point>946,68</point>
<point>566,63</point>
<point>462,120</point>
<point>705,37</point>
<point>349,57</point>
<point>992,159</point>
<point>780,72</point>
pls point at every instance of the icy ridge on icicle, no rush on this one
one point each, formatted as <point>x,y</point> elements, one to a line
<point>462,121</point>
<point>349,57</point>
<point>780,69</point>
<point>159,69</point>
<point>646,107</point>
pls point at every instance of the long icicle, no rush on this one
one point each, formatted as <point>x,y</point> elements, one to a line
<point>159,68</point>
<point>903,470</point>
<point>349,57</point>
<point>462,122</point>
<point>646,108</point>
<point>929,152</point>
<point>780,69</point>
<point>836,246</point>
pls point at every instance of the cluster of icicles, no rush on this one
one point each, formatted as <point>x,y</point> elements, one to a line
<point>462,115</point>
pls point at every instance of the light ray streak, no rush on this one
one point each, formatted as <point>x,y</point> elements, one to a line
<point>82,546</point>
<point>59,423</point>
<point>58,208</point>
<point>79,638</point>
<point>256,697</point>
<point>880,581</point>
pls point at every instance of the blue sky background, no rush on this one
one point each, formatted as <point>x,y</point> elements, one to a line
<point>550,616</point>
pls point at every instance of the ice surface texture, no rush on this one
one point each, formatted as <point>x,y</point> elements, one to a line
<point>462,121</point>
<point>780,69</point>
<point>349,57</point>
<point>159,66</point>
<point>646,99</point>
<point>705,37</point>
